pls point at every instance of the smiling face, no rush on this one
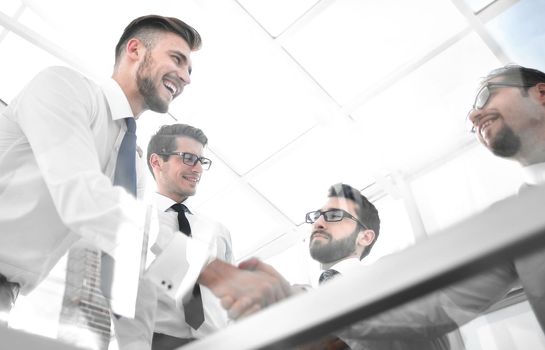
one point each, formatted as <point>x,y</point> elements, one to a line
<point>507,122</point>
<point>174,178</point>
<point>163,72</point>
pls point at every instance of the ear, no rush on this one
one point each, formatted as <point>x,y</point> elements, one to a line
<point>365,238</point>
<point>540,88</point>
<point>156,162</point>
<point>134,49</point>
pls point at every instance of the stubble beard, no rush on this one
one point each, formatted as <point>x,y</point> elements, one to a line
<point>506,143</point>
<point>334,250</point>
<point>147,88</point>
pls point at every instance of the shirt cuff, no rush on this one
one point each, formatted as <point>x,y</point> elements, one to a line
<point>177,268</point>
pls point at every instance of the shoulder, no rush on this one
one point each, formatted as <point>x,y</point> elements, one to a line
<point>208,224</point>
<point>209,221</point>
<point>58,77</point>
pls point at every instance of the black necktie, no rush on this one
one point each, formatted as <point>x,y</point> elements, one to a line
<point>328,275</point>
<point>193,309</point>
<point>125,176</point>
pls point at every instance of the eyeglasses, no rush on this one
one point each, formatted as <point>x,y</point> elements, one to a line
<point>190,159</point>
<point>483,95</point>
<point>331,215</point>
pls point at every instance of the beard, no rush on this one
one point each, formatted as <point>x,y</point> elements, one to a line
<point>333,250</point>
<point>506,144</point>
<point>147,88</point>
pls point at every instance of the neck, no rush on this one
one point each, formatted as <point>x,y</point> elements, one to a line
<point>326,266</point>
<point>174,197</point>
<point>130,90</point>
<point>531,154</point>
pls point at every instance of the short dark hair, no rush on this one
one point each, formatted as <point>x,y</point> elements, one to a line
<point>367,212</point>
<point>145,28</point>
<point>164,140</point>
<point>513,73</point>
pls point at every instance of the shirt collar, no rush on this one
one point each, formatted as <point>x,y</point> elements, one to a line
<point>534,174</point>
<point>164,203</point>
<point>117,100</point>
<point>346,265</point>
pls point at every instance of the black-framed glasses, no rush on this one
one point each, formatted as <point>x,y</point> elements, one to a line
<point>483,95</point>
<point>331,215</point>
<point>190,159</point>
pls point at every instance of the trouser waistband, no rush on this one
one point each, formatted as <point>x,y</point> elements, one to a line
<point>167,342</point>
<point>13,286</point>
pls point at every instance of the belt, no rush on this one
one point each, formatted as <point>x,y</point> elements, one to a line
<point>167,342</point>
<point>13,287</point>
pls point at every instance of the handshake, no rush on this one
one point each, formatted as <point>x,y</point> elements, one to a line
<point>247,289</point>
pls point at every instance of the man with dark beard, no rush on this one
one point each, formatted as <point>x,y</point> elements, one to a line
<point>344,230</point>
<point>69,163</point>
<point>508,117</point>
<point>343,233</point>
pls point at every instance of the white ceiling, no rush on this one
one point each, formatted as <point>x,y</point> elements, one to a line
<point>296,95</point>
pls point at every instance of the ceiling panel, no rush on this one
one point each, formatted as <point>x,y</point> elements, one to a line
<point>473,186</point>
<point>17,70</point>
<point>355,44</point>
<point>276,16</point>
<point>297,179</point>
<point>251,219</point>
<point>520,32</point>
<point>421,118</point>
<point>477,5</point>
<point>246,93</point>
<point>10,7</point>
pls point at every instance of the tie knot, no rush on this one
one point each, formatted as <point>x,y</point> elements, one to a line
<point>328,275</point>
<point>131,125</point>
<point>179,207</point>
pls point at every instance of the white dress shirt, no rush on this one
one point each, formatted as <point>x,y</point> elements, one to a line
<point>157,309</point>
<point>346,265</point>
<point>170,314</point>
<point>534,174</point>
<point>59,140</point>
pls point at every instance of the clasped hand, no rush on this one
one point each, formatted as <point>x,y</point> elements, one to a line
<point>247,289</point>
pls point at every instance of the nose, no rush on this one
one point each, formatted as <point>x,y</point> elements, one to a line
<point>473,119</point>
<point>197,168</point>
<point>319,223</point>
<point>184,73</point>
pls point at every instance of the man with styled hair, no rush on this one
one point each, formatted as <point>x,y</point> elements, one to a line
<point>70,169</point>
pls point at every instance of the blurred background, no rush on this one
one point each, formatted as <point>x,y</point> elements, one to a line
<point>296,95</point>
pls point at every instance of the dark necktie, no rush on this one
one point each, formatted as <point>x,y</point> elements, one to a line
<point>193,308</point>
<point>125,168</point>
<point>328,275</point>
<point>125,176</point>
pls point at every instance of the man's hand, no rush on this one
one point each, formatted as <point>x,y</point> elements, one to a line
<point>244,291</point>
<point>254,264</point>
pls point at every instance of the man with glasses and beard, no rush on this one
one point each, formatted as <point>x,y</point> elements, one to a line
<point>344,231</point>
<point>508,118</point>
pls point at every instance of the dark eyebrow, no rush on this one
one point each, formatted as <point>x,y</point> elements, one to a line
<point>183,57</point>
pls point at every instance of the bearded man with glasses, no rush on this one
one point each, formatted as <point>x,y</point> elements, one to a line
<point>344,231</point>
<point>508,114</point>
<point>508,118</point>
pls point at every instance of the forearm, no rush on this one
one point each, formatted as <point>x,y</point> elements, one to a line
<point>440,312</point>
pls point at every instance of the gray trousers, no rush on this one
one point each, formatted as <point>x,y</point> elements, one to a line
<point>8,293</point>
